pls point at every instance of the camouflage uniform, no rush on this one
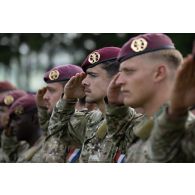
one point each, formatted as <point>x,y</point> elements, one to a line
<point>86,128</point>
<point>172,140</point>
<point>132,134</point>
<point>21,107</point>
<point>74,128</point>
<point>57,74</point>
<point>32,154</point>
<point>44,117</point>
<point>141,45</point>
<point>163,139</point>
<point>11,148</point>
<point>121,122</point>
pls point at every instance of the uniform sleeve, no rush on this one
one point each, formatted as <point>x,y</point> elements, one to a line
<point>12,148</point>
<point>120,121</point>
<point>43,119</point>
<point>9,145</point>
<point>66,127</point>
<point>188,142</point>
<point>118,117</point>
<point>67,122</point>
<point>165,140</point>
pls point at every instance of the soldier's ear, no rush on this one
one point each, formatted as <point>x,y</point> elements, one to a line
<point>160,73</point>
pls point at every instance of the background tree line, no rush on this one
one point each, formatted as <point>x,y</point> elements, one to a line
<point>24,57</point>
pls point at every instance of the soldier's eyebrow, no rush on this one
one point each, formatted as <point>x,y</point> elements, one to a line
<point>91,73</point>
<point>125,69</point>
<point>50,88</point>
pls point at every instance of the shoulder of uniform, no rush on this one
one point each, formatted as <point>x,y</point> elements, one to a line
<point>95,114</point>
<point>102,130</point>
<point>143,128</point>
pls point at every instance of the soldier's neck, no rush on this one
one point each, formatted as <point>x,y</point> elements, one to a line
<point>101,106</point>
<point>156,102</point>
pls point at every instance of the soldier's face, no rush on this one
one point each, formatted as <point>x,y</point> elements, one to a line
<point>52,95</point>
<point>136,80</point>
<point>95,84</point>
<point>20,125</point>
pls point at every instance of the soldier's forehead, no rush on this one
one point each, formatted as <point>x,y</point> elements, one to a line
<point>54,85</point>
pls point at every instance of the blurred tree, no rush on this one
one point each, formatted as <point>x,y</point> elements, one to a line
<point>29,54</point>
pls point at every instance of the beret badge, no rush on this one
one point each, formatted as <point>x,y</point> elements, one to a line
<point>53,75</point>
<point>94,57</point>
<point>19,110</point>
<point>8,100</point>
<point>139,45</point>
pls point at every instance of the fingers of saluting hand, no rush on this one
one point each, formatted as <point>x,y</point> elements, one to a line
<point>113,81</point>
<point>187,70</point>
<point>76,79</point>
<point>42,91</point>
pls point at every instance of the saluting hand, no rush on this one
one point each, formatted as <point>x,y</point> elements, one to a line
<point>114,94</point>
<point>183,94</point>
<point>39,97</point>
<point>73,88</point>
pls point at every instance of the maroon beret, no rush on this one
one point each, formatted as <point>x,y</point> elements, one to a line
<point>61,73</point>
<point>100,56</point>
<point>23,105</point>
<point>11,97</point>
<point>6,86</point>
<point>144,43</point>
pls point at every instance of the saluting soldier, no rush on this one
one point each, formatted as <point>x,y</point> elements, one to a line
<point>8,142</point>
<point>148,69</point>
<point>56,78</point>
<point>5,87</point>
<point>88,128</point>
<point>23,125</point>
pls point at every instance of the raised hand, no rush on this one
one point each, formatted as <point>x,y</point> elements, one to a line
<point>73,88</point>
<point>114,94</point>
<point>183,94</point>
<point>39,97</point>
<point>4,119</point>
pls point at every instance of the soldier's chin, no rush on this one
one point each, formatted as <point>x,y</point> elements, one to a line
<point>90,100</point>
<point>49,110</point>
<point>127,102</point>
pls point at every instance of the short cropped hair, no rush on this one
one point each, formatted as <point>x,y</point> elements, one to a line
<point>171,56</point>
<point>111,67</point>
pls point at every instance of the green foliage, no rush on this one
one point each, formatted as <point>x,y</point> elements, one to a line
<point>10,43</point>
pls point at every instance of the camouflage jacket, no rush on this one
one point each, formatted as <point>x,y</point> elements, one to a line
<point>44,117</point>
<point>86,129</point>
<point>11,148</point>
<point>120,136</point>
<point>173,140</point>
<point>33,154</point>
<point>163,139</point>
<point>138,152</point>
<point>53,144</point>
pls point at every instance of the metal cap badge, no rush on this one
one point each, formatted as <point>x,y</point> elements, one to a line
<point>53,75</point>
<point>94,57</point>
<point>100,56</point>
<point>61,73</point>
<point>8,100</point>
<point>19,110</point>
<point>144,43</point>
<point>138,45</point>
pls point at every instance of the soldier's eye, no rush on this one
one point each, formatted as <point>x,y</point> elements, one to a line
<point>92,74</point>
